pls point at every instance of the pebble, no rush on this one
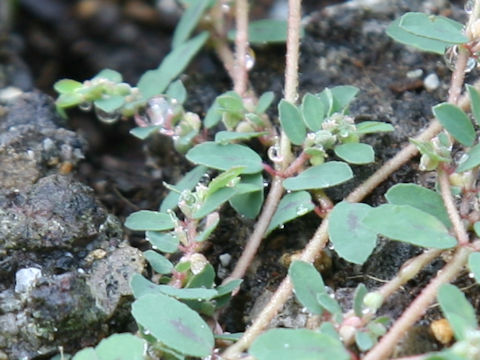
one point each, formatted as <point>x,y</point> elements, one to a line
<point>431,82</point>
<point>26,278</point>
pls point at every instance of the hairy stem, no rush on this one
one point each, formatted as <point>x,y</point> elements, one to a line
<point>417,308</point>
<point>241,46</point>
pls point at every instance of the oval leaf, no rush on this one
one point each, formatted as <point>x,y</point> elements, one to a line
<point>149,220</point>
<point>121,347</point>
<point>352,240</point>
<point>162,241</point>
<point>65,86</point>
<point>421,198</point>
<point>174,324</point>
<point>224,157</point>
<point>189,21</point>
<point>249,204</point>
<point>214,201</point>
<point>471,160</point>
<point>298,344</point>
<point>456,122</point>
<point>313,111</point>
<point>474,265</point>
<point>319,177</point>
<point>475,102</point>
<point>158,262</point>
<point>308,284</point>
<point>369,127</point>
<point>355,153</point>
<point>408,224</point>
<point>291,206</point>
<point>292,122</point>
<point>458,311</point>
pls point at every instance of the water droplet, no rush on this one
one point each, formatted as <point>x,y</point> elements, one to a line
<point>286,346</point>
<point>273,154</point>
<point>469,4</point>
<point>331,246</point>
<point>265,184</point>
<point>160,111</point>
<point>85,106</point>
<point>249,59</point>
<point>226,8</point>
<point>301,210</point>
<point>281,226</point>
<point>471,275</point>
<point>451,55</point>
<point>205,179</point>
<point>106,117</point>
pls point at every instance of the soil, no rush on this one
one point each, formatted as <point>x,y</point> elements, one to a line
<point>343,44</point>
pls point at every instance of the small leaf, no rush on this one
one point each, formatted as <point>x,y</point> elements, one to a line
<point>474,102</point>
<point>476,228</point>
<point>308,284</point>
<point>265,31</point>
<point>421,198</point>
<point>313,111</point>
<point>229,287</point>
<point>264,102</point>
<point>214,201</point>
<point>474,265</point>
<point>223,180</point>
<point>86,354</point>
<point>144,132</point>
<point>179,328</point>
<point>69,99</point>
<point>319,177</point>
<point>249,204</point>
<point>149,220</point>
<point>223,137</point>
<point>163,242</point>
<point>358,296</point>
<point>212,222</point>
<point>109,74</point>
<point>188,182</point>
<point>471,160</point>
<point>158,262</point>
<point>110,104</point>
<point>223,157</point>
<point>177,91</point>
<point>369,127</point>
<point>204,279</point>
<point>291,206</point>
<point>298,344</point>
<point>231,102</point>
<point>213,116</point>
<point>292,122</point>
<point>189,21</point>
<point>402,36</point>
<point>364,340</point>
<point>458,311</point>
<point>352,240</point>
<point>66,86</point>
<point>121,347</point>
<point>433,27</point>
<point>343,96</point>
<point>456,122</point>
<point>408,224</point>
<point>355,153</point>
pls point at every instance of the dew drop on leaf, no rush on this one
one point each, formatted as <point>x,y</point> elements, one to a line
<point>469,6</point>
<point>274,154</point>
<point>301,210</point>
<point>249,59</point>
<point>85,106</point>
<point>106,117</point>
<point>451,55</point>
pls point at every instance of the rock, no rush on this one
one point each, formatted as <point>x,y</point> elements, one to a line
<point>65,268</point>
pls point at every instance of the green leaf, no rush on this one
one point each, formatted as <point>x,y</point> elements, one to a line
<point>143,132</point>
<point>319,177</point>
<point>474,102</point>
<point>86,354</point>
<point>364,340</point>
<point>476,228</point>
<point>109,74</point>
<point>471,160</point>
<point>456,122</point>
<point>352,240</point>
<point>188,182</point>
<point>298,344</point>
<point>343,96</point>
<point>264,102</point>
<point>231,102</point>
<point>358,296</point>
<point>249,204</point>
<point>212,222</point>
<point>110,104</point>
<point>189,21</point>
<point>69,99</point>
<point>177,91</point>
<point>228,287</point>
<point>214,201</point>
<point>149,220</point>
<point>204,279</point>
<point>292,122</point>
<point>458,311</point>
<point>313,112</point>
<point>154,82</point>
<point>265,31</point>
<point>433,27</point>
<point>115,347</point>
<point>223,137</point>
<point>163,242</point>
<point>355,153</point>
<point>408,224</point>
<point>308,284</point>
<point>369,127</point>
<point>291,206</point>
<point>229,337</point>
<point>223,180</point>
<point>179,328</point>
<point>141,287</point>
<point>66,86</point>
<point>158,262</point>
<point>474,265</point>
<point>213,116</point>
<point>223,157</point>
<point>421,198</point>
<point>402,36</point>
